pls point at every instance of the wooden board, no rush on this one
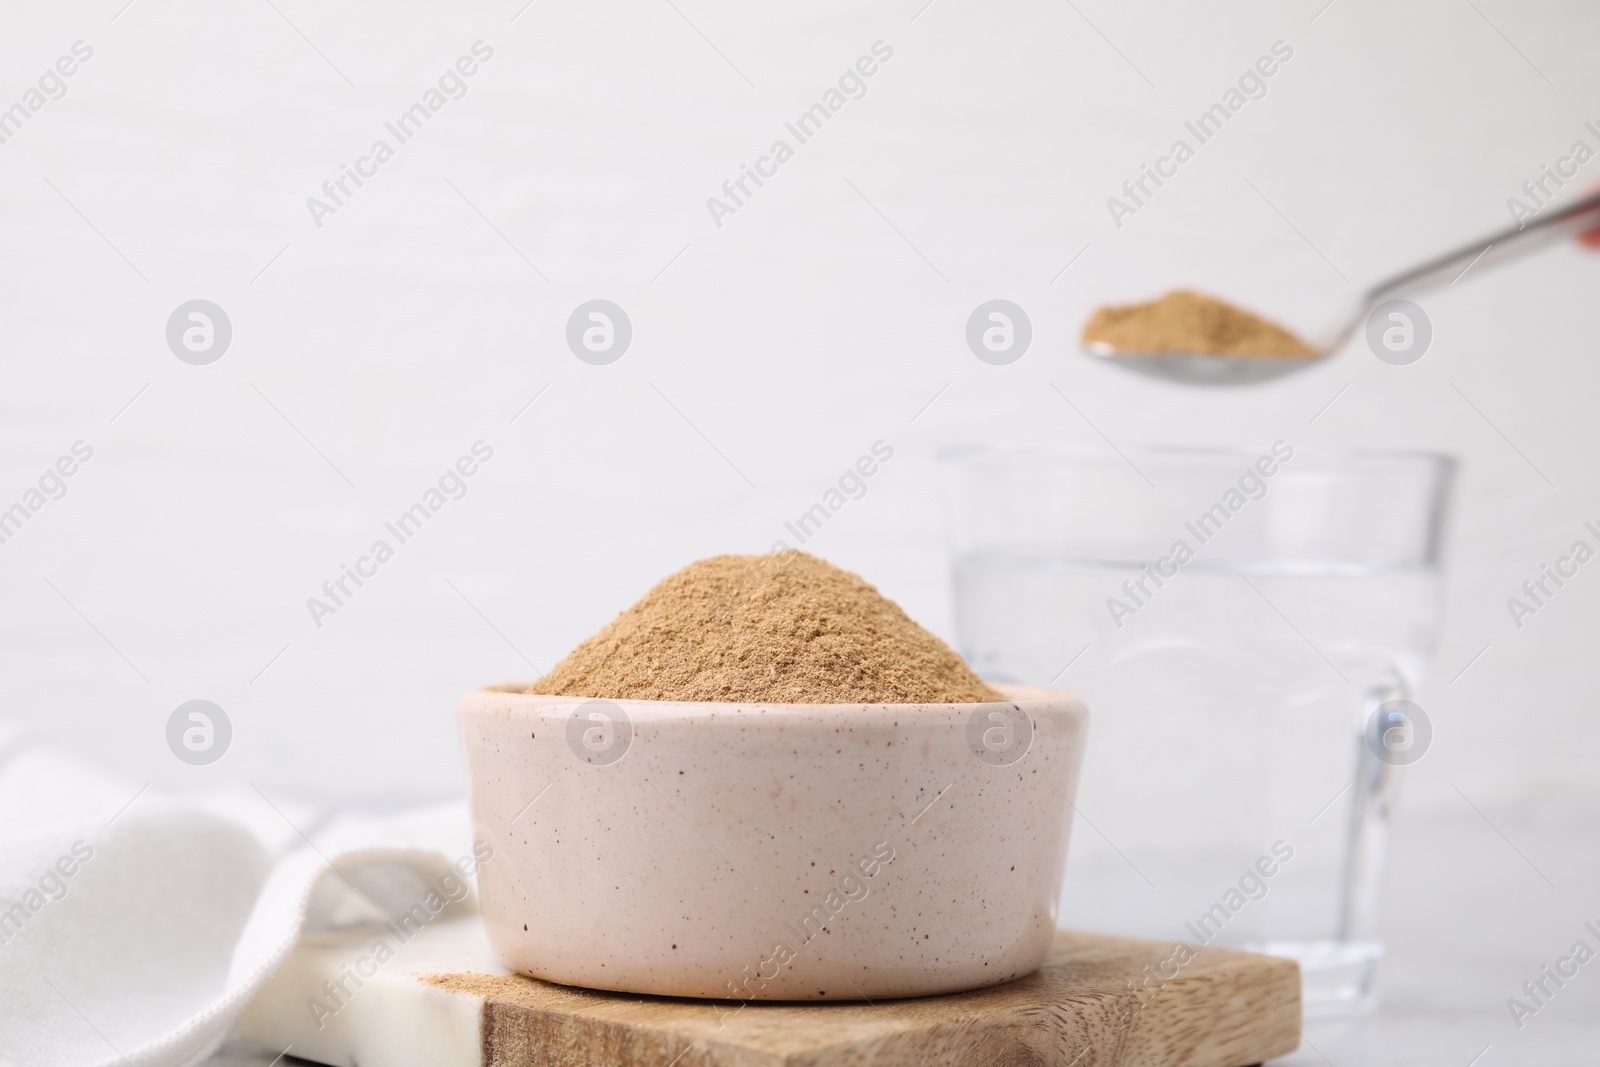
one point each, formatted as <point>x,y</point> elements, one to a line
<point>441,999</point>
<point>1099,1001</point>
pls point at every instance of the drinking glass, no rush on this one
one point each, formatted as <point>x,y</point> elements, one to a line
<point>1248,627</point>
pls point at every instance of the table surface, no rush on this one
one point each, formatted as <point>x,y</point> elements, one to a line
<point>1475,909</point>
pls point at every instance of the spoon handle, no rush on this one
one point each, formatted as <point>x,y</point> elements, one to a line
<point>1507,244</point>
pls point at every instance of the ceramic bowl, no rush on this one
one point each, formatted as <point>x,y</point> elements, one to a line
<point>771,851</point>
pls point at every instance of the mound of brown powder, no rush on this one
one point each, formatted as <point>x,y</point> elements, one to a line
<point>784,628</point>
<point>1185,321</point>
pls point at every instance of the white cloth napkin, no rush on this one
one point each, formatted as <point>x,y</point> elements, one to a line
<point>135,928</point>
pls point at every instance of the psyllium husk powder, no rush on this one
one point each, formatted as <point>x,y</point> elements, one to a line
<point>783,628</point>
<point>1186,321</point>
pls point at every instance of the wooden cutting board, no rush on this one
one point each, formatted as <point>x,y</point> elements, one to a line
<point>1099,1001</point>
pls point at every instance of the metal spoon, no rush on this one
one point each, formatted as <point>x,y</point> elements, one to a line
<point>1205,369</point>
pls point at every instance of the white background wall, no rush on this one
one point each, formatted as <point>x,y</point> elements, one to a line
<point>179,161</point>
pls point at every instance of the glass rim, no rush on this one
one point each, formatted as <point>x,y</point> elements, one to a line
<point>1442,462</point>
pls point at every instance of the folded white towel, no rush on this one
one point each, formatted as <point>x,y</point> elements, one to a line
<point>134,928</point>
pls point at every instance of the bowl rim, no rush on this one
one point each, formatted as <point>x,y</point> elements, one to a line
<point>1020,696</point>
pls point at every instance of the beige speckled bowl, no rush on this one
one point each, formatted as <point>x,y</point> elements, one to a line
<point>772,851</point>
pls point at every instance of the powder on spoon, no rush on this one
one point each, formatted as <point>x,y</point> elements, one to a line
<point>784,628</point>
<point>1186,321</point>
